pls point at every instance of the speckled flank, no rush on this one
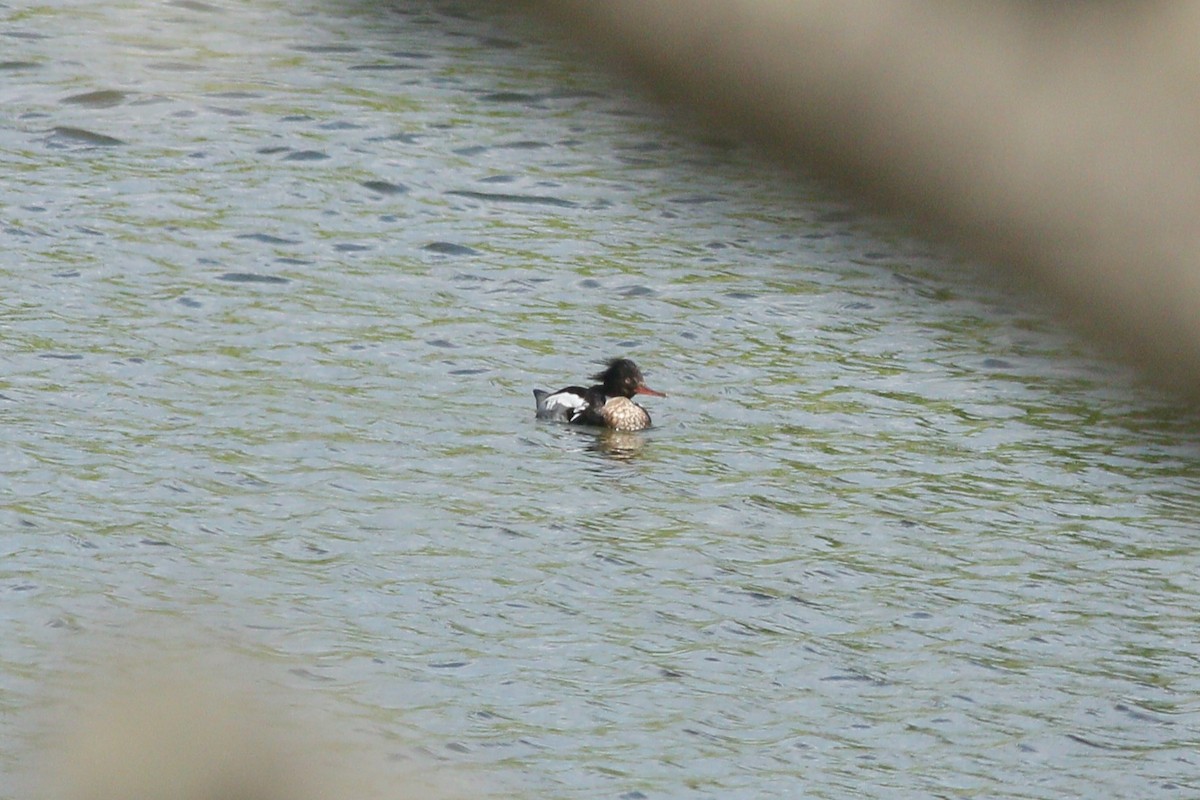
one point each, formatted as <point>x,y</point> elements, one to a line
<point>622,414</point>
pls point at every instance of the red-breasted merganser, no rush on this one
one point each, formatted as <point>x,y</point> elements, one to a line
<point>606,404</point>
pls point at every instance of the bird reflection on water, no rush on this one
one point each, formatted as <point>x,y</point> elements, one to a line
<point>624,445</point>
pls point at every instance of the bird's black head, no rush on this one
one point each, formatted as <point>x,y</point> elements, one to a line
<point>622,378</point>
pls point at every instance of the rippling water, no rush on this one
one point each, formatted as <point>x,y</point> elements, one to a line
<point>277,281</point>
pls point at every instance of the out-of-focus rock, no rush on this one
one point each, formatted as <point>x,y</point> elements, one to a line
<point>1060,142</point>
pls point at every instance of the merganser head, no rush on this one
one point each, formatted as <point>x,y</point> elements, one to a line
<point>622,378</point>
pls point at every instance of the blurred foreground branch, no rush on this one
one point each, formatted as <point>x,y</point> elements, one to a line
<point>184,717</point>
<point>1058,141</point>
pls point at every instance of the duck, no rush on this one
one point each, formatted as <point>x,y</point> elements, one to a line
<point>607,404</point>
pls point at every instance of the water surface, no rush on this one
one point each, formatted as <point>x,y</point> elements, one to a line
<point>277,281</point>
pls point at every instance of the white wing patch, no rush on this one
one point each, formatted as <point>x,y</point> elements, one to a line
<point>560,405</point>
<point>566,400</point>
